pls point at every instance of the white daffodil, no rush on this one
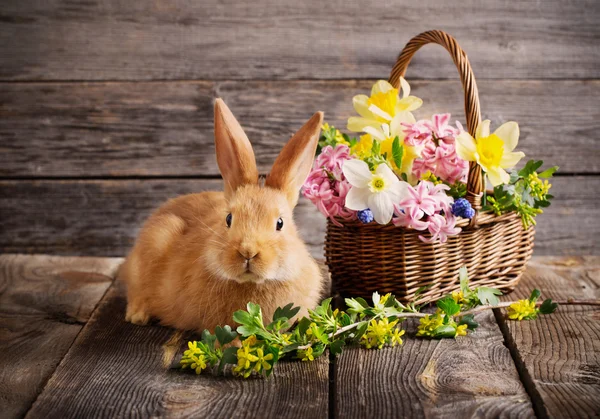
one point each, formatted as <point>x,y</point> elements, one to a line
<point>493,152</point>
<point>382,105</point>
<point>379,191</point>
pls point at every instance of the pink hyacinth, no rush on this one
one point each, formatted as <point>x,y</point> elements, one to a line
<point>423,209</point>
<point>326,186</point>
<point>440,228</point>
<point>439,153</point>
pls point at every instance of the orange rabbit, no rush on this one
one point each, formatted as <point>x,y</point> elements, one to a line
<point>200,257</point>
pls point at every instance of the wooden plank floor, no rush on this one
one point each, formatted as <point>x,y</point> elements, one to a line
<point>67,352</point>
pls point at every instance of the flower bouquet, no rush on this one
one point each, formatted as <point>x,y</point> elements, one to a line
<point>406,202</point>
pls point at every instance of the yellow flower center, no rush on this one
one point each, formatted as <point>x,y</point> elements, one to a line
<point>386,102</point>
<point>377,184</point>
<point>490,150</point>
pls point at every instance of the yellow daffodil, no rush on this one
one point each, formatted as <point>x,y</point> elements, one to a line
<point>381,107</point>
<point>493,152</point>
<point>522,309</point>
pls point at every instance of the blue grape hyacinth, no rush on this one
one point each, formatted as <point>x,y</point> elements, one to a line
<point>365,216</point>
<point>462,208</point>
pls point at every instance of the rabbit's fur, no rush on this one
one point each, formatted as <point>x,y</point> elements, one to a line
<point>191,271</point>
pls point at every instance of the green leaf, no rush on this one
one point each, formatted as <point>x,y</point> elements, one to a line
<point>209,339</point>
<point>397,152</point>
<point>548,172</point>
<point>530,167</point>
<point>242,317</point>
<point>254,310</point>
<point>336,347</point>
<point>248,330</point>
<point>285,313</point>
<point>488,295</point>
<point>548,307</point>
<point>229,357</point>
<point>225,334</point>
<point>463,274</point>
<point>448,306</point>
<point>361,329</point>
<point>355,305</point>
<point>469,320</point>
<point>344,319</point>
<point>535,294</point>
<point>303,325</point>
<point>445,331</point>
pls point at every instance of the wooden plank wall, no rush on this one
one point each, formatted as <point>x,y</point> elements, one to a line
<point>106,105</point>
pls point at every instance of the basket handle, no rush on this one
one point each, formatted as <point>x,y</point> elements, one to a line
<point>475,184</point>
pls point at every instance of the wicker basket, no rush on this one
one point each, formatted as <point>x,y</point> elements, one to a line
<point>364,258</point>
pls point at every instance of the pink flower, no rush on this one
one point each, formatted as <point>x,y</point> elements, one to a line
<point>326,187</point>
<point>332,159</point>
<point>423,209</point>
<point>440,228</point>
<point>439,154</point>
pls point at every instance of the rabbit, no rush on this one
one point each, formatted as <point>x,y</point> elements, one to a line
<point>200,257</point>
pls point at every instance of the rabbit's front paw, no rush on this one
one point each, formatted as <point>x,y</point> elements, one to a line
<point>137,316</point>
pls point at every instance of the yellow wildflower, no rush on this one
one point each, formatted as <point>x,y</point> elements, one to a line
<point>397,336</point>
<point>493,152</point>
<point>362,149</point>
<point>522,309</point>
<point>461,330</point>
<point>431,178</point>
<point>194,358</point>
<point>429,323</point>
<point>539,188</point>
<point>261,360</point>
<point>339,137</point>
<point>307,354</point>
<point>378,333</point>
<point>458,297</point>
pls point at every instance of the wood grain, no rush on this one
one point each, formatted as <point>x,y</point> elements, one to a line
<point>117,369</point>
<point>166,129</point>
<point>472,376</point>
<point>185,39</point>
<point>559,355</point>
<point>93,217</point>
<point>44,303</point>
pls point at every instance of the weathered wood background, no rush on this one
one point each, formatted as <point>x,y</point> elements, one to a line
<point>106,105</point>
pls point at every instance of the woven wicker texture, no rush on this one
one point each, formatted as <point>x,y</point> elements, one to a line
<point>364,258</point>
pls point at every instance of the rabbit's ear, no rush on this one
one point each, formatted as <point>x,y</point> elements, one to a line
<point>234,152</point>
<point>293,164</point>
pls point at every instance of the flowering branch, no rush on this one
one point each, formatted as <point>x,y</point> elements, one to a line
<point>372,325</point>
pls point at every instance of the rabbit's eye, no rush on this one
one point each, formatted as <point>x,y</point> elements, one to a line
<point>228,220</point>
<point>279,224</point>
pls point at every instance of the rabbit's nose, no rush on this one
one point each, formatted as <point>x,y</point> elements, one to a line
<point>247,254</point>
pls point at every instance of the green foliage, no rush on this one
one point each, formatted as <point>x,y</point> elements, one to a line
<point>397,152</point>
<point>526,193</point>
<point>330,136</point>
<point>372,325</point>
